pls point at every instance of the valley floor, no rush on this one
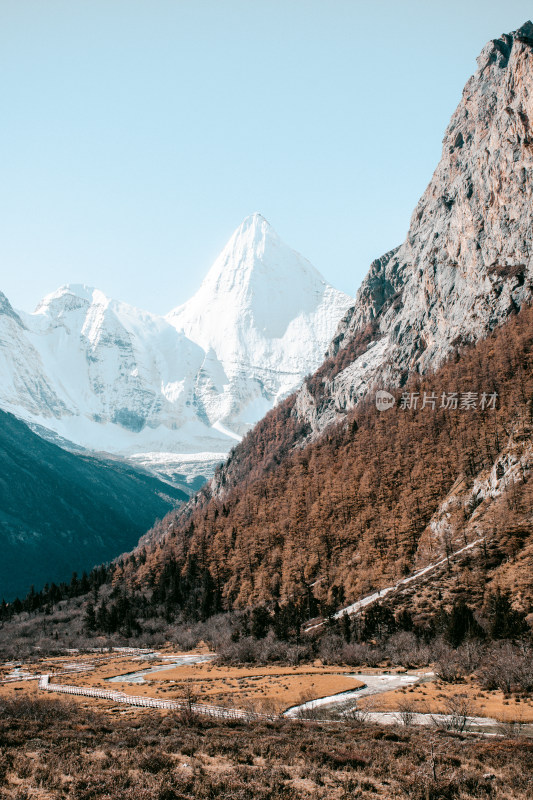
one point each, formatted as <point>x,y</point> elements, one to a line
<point>58,749</point>
<point>384,695</point>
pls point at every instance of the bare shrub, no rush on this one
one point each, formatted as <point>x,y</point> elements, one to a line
<point>312,710</point>
<point>331,648</point>
<point>272,650</point>
<point>355,654</point>
<point>245,651</point>
<point>185,639</point>
<point>513,728</point>
<point>155,761</point>
<point>250,651</point>
<point>508,667</point>
<point>524,668</point>
<point>358,654</point>
<point>404,648</point>
<point>359,714</point>
<point>6,763</point>
<point>458,711</point>
<point>449,666</point>
<point>469,655</point>
<point>36,709</point>
<point>407,712</point>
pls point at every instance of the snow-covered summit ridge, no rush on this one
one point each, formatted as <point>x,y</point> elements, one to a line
<point>266,283</point>
<point>262,309</point>
<point>109,376</point>
<point>78,291</point>
<point>7,310</point>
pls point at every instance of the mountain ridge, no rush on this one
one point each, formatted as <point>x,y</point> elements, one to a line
<point>457,292</point>
<point>109,377</point>
<point>62,513</point>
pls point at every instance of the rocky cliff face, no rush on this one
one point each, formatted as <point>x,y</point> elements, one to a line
<point>467,261</point>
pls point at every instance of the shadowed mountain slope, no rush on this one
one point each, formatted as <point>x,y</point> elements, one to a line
<point>62,512</point>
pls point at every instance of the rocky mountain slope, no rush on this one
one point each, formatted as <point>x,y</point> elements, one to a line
<point>172,393</point>
<point>374,499</point>
<point>467,261</point>
<point>325,512</point>
<point>61,512</point>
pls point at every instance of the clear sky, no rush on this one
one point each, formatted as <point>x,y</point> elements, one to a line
<point>137,134</point>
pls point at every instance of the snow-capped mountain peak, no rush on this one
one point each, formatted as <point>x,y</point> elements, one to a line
<point>69,297</point>
<point>109,376</point>
<point>254,258</point>
<point>256,288</point>
<point>264,312</point>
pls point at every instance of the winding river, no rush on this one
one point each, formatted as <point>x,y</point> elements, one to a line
<point>179,661</point>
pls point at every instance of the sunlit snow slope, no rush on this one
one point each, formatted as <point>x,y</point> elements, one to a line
<point>173,393</point>
<point>263,316</point>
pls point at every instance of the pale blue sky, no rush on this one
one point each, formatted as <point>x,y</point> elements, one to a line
<point>137,134</point>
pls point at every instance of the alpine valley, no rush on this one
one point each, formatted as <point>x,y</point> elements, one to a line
<point>128,399</point>
<point>329,499</point>
<point>363,557</point>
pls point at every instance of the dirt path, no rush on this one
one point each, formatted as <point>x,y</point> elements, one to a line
<point>356,607</point>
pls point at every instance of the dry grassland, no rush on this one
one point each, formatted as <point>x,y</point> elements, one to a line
<point>433,698</point>
<point>270,688</point>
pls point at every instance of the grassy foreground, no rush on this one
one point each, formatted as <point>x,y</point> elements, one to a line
<point>54,748</point>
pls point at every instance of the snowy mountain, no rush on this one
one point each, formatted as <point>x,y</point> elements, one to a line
<point>262,316</point>
<point>171,393</point>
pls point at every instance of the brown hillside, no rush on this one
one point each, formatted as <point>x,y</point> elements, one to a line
<point>351,512</point>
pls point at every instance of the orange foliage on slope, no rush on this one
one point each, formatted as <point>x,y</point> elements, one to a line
<point>345,514</point>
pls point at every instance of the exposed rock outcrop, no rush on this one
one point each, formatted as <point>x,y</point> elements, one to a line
<point>466,263</point>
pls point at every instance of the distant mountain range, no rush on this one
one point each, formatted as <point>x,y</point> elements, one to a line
<point>173,393</point>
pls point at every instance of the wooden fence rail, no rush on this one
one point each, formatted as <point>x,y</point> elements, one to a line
<point>150,702</point>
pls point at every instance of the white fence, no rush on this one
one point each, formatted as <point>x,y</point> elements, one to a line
<point>149,702</point>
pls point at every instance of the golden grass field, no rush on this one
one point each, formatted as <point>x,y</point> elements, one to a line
<point>432,697</point>
<point>271,689</point>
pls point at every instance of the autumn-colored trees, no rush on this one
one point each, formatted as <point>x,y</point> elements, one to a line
<point>345,515</point>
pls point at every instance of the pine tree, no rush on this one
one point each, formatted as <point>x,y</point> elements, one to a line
<point>89,621</point>
<point>504,621</point>
<point>461,623</point>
